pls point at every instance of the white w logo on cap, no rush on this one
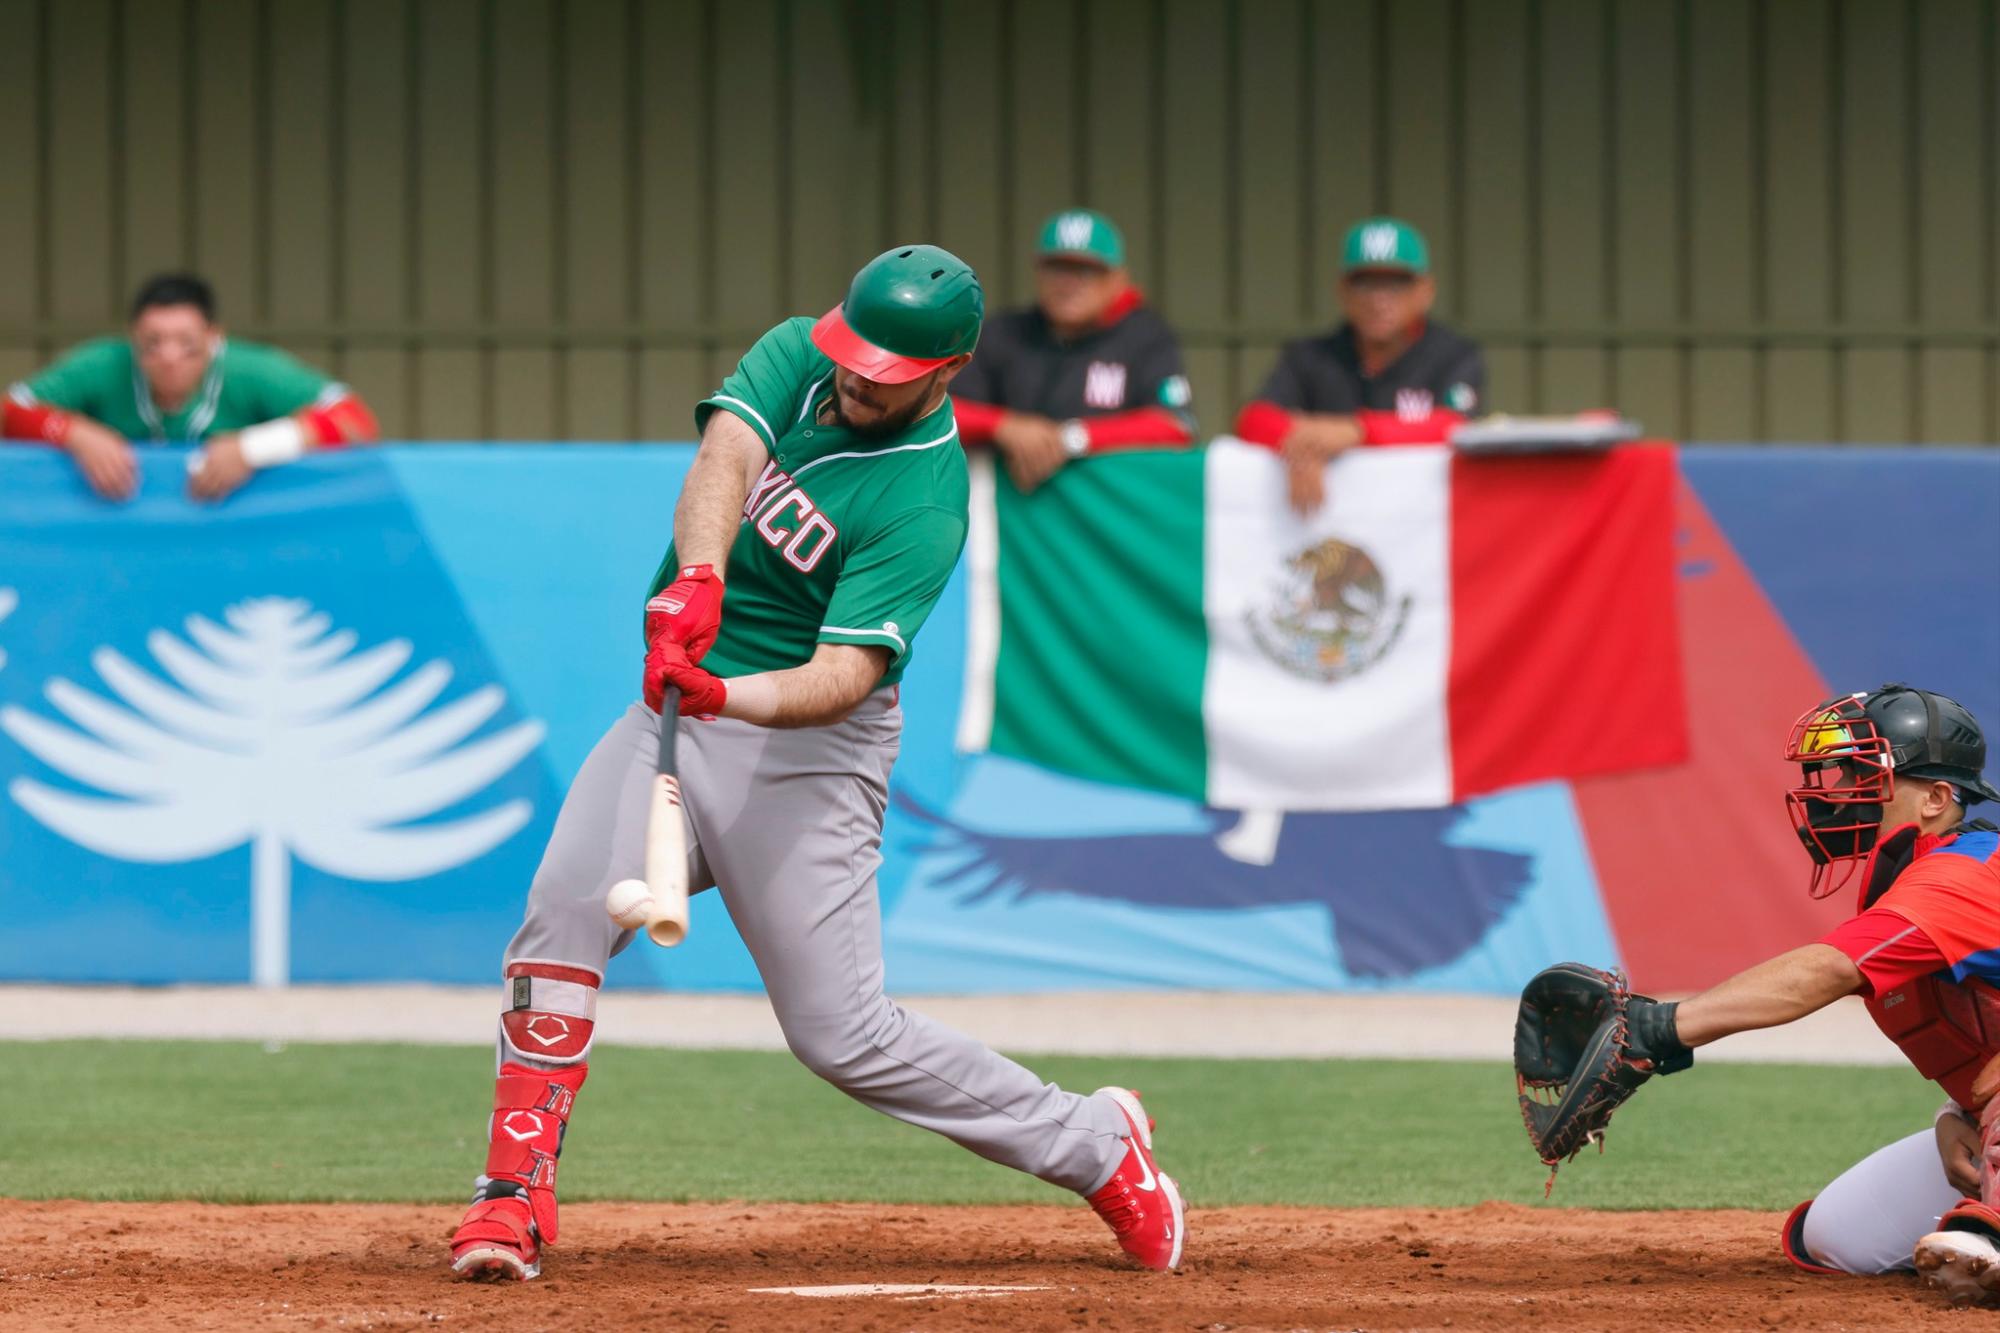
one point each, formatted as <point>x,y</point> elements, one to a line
<point>1073,230</point>
<point>1378,241</point>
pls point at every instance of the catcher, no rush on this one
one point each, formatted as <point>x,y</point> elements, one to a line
<point>1881,805</point>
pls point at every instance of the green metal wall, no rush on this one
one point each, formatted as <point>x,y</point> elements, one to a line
<point>535,219</point>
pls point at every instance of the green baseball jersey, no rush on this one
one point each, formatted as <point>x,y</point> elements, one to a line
<point>845,538</point>
<point>246,383</point>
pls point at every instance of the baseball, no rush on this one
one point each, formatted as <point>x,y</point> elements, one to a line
<point>628,902</point>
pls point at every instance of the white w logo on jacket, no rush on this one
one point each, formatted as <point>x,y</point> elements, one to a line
<point>1104,384</point>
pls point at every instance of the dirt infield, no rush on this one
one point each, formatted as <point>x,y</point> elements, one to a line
<point>658,1266</point>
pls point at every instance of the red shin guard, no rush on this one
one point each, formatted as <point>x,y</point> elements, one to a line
<point>530,1115</point>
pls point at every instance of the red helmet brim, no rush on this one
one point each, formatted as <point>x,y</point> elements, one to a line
<point>850,351</point>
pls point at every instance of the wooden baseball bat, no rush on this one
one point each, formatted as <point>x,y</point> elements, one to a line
<point>666,838</point>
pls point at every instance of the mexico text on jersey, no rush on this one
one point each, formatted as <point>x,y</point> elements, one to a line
<point>846,538</point>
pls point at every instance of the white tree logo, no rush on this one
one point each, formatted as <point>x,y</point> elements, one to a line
<point>9,599</point>
<point>279,738</point>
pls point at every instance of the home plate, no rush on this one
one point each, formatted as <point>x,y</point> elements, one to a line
<point>903,1291</point>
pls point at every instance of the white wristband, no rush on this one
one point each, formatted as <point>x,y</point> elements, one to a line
<point>1949,1108</point>
<point>269,443</point>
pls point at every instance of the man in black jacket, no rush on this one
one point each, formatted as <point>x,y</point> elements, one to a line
<point>1387,375</point>
<point>1088,368</point>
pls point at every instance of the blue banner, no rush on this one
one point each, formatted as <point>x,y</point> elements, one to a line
<point>321,731</point>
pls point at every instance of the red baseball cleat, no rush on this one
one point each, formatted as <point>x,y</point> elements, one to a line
<point>1960,1258</point>
<point>1140,1203</point>
<point>496,1240</point>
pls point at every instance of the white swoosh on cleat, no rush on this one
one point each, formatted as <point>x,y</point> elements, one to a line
<point>1145,1166</point>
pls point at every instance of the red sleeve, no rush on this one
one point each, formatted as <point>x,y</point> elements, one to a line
<point>345,420</point>
<point>1392,428</point>
<point>24,421</point>
<point>1887,948</point>
<point>1139,428</point>
<point>1263,423</point>
<point>976,421</point>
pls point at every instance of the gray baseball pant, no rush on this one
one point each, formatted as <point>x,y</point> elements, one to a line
<point>788,824</point>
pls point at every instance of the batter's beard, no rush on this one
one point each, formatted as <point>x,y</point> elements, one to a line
<point>893,423</point>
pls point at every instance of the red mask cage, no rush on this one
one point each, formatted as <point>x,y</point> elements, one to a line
<point>1848,773</point>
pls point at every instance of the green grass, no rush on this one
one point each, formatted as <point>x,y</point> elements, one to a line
<point>231,1122</point>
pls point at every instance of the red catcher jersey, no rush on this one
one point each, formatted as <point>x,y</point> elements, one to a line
<point>1932,981</point>
<point>1951,892</point>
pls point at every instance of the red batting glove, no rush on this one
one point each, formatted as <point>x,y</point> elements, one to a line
<point>687,611</point>
<point>702,692</point>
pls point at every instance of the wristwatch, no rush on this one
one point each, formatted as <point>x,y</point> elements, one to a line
<point>1075,438</point>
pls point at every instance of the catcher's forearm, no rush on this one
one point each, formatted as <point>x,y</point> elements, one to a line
<point>1772,993</point>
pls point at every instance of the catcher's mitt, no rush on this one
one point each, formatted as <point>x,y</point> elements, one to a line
<point>1583,1043</point>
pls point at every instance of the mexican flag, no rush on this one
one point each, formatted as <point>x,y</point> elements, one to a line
<point>1442,627</point>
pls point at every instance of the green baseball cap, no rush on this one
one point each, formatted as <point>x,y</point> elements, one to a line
<point>908,311</point>
<point>1082,233</point>
<point>1389,243</point>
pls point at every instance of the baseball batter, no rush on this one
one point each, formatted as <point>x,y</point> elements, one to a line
<point>830,492</point>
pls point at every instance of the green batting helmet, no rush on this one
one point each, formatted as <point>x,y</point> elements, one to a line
<point>908,311</point>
